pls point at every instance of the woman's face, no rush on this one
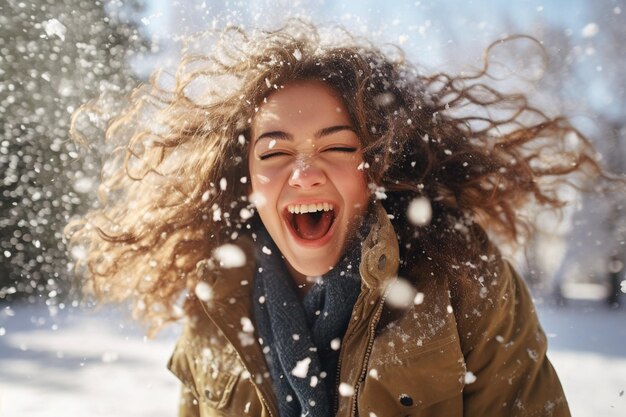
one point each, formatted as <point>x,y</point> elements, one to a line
<point>304,166</point>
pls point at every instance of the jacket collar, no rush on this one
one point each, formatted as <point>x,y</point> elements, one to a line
<point>380,254</point>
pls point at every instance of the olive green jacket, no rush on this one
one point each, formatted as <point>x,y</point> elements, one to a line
<point>467,345</point>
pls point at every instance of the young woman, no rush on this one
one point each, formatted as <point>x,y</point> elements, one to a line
<point>319,210</point>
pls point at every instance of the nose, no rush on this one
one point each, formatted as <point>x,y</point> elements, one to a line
<point>306,174</point>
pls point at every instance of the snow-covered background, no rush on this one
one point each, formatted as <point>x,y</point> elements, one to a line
<point>78,363</point>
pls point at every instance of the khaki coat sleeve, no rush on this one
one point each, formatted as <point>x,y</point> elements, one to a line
<point>504,346</point>
<point>181,367</point>
<point>188,405</point>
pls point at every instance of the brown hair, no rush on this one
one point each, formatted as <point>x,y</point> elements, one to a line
<point>175,187</point>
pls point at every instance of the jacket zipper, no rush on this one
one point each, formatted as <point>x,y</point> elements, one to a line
<point>368,351</point>
<point>338,376</point>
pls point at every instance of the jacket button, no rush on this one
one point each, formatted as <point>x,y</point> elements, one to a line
<point>406,400</point>
<point>382,261</point>
<point>207,393</point>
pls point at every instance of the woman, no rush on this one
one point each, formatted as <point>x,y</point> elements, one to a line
<point>319,209</point>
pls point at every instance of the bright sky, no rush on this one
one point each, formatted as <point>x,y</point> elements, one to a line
<point>433,31</point>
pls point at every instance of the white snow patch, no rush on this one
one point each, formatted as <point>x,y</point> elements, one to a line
<point>346,390</point>
<point>420,211</point>
<point>266,250</point>
<point>378,191</point>
<point>400,294</point>
<point>83,185</point>
<point>79,252</point>
<point>419,298</point>
<point>246,325</point>
<point>257,199</point>
<point>108,357</point>
<point>335,344</point>
<point>590,30</point>
<point>302,368</point>
<point>203,291</point>
<point>297,54</point>
<point>363,166</point>
<point>245,339</point>
<point>623,286</point>
<point>230,256</point>
<point>469,378</point>
<point>223,184</point>
<point>245,214</point>
<point>54,28</point>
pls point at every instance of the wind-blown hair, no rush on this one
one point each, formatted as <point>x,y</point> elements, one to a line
<point>176,186</point>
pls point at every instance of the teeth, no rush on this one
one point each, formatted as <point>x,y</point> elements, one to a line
<point>309,208</point>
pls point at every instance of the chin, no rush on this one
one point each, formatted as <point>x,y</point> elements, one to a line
<point>314,267</point>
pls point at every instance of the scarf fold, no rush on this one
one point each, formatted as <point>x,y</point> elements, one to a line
<point>301,339</point>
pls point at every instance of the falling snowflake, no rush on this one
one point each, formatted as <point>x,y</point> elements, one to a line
<point>229,256</point>
<point>590,30</point>
<point>419,298</point>
<point>245,214</point>
<point>203,291</point>
<point>246,325</point>
<point>346,390</point>
<point>469,378</point>
<point>257,199</point>
<point>54,28</point>
<point>400,294</point>
<point>302,368</point>
<point>419,211</point>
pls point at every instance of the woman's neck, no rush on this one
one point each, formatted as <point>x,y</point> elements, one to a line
<point>302,281</point>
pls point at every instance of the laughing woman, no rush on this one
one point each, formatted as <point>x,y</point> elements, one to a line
<point>320,212</point>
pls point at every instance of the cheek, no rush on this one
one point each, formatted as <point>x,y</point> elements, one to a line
<point>352,184</point>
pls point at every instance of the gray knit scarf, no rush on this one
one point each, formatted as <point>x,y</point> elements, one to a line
<point>296,335</point>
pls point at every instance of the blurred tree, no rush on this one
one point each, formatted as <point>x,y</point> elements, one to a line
<point>585,78</point>
<point>54,55</point>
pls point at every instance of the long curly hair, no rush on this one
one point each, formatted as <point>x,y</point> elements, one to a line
<point>175,185</point>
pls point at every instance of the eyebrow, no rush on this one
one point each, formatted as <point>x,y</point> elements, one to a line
<point>280,135</point>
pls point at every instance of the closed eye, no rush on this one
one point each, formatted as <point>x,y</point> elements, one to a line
<point>270,155</point>
<point>347,149</point>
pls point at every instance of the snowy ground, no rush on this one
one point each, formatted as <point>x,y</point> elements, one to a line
<point>84,364</point>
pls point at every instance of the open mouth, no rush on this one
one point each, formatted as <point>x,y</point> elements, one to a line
<point>310,221</point>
